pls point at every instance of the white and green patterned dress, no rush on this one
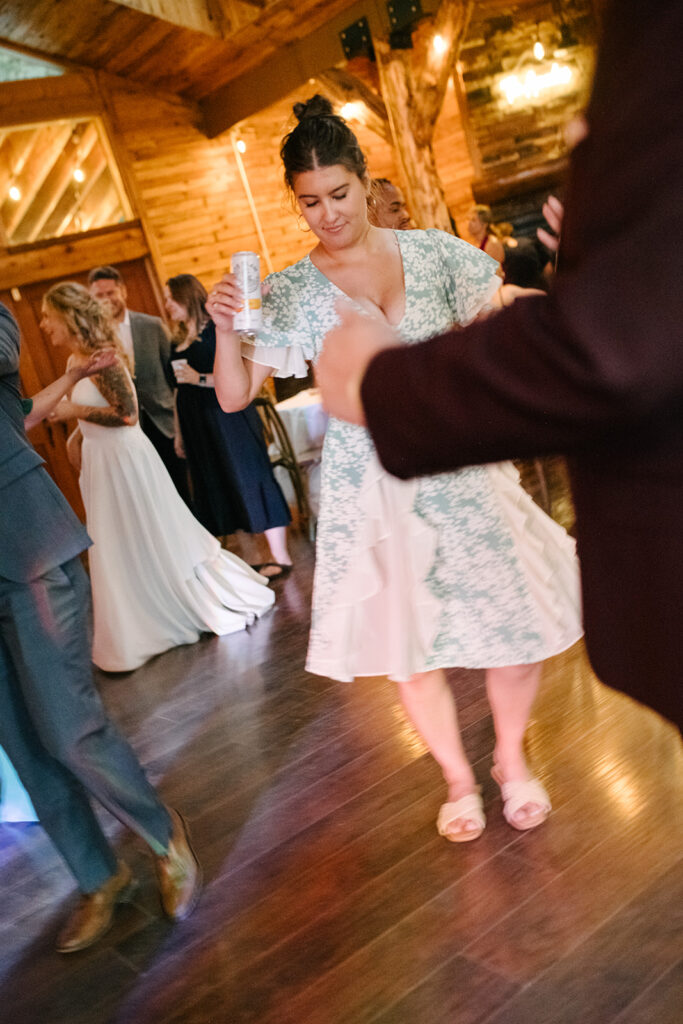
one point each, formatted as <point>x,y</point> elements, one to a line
<point>456,569</point>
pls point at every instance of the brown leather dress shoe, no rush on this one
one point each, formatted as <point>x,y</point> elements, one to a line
<point>178,873</point>
<point>94,912</point>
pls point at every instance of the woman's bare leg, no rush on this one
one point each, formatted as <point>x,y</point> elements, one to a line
<point>429,704</point>
<point>511,692</point>
<point>277,542</point>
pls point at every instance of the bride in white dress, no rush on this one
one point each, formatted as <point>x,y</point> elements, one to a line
<point>159,579</point>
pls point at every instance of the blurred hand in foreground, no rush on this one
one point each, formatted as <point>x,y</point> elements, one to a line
<point>347,351</point>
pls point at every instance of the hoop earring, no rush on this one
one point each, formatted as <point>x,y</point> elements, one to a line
<point>299,218</point>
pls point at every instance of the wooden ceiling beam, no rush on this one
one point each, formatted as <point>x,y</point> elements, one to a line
<point>193,14</point>
<point>121,37</point>
<point>287,69</point>
<point>232,15</point>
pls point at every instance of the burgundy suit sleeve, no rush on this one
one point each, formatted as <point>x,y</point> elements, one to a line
<point>603,353</point>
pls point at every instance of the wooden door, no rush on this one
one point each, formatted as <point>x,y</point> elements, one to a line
<point>41,363</point>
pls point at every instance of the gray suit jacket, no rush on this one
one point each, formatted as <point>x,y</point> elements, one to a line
<point>152,351</point>
<point>38,529</point>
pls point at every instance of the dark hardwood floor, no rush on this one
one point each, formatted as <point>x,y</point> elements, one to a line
<point>329,897</point>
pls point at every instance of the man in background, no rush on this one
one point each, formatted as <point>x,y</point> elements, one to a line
<point>387,206</point>
<point>53,725</point>
<point>148,348</point>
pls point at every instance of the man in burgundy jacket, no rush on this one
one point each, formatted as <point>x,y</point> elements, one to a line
<point>593,370</point>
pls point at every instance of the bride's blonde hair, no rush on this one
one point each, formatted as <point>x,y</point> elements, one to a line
<point>84,317</point>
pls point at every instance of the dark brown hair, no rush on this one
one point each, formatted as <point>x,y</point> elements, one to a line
<point>105,274</point>
<point>321,139</point>
<point>188,291</point>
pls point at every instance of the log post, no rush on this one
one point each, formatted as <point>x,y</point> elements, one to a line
<point>413,84</point>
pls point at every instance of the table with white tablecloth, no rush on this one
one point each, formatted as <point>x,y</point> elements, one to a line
<point>305,421</point>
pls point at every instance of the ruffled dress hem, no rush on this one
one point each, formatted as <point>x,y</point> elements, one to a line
<point>373,628</point>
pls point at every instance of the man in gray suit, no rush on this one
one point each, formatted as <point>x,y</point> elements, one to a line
<point>52,722</point>
<point>148,348</point>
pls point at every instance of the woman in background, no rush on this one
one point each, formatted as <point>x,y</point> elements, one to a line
<point>158,578</point>
<point>480,227</point>
<point>233,484</point>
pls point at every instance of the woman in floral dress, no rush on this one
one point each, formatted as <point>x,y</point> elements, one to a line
<point>458,569</point>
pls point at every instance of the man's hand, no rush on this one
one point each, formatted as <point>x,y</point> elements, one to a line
<point>347,350</point>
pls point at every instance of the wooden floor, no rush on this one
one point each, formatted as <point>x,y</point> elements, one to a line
<point>330,898</point>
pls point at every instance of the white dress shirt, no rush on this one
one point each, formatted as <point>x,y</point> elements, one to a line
<point>126,338</point>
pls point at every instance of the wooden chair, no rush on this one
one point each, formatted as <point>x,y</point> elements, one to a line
<point>282,454</point>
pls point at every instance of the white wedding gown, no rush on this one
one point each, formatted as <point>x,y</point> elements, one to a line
<point>159,579</point>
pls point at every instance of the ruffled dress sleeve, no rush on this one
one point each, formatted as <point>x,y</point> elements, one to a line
<point>469,274</point>
<point>285,340</point>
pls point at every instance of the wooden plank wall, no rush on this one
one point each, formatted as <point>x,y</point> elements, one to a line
<point>453,160</point>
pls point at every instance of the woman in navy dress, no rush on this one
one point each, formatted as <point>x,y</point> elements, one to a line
<point>233,484</point>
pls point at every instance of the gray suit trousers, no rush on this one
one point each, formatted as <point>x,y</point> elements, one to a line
<point>55,729</point>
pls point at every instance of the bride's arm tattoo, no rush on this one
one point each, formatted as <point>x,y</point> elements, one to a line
<point>115,386</point>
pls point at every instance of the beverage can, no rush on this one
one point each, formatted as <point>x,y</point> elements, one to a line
<point>246,268</point>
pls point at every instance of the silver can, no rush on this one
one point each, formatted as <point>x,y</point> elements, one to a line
<point>246,268</point>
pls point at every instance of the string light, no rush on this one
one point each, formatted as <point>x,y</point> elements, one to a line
<point>15,193</point>
<point>350,111</point>
<point>440,45</point>
<point>531,85</point>
<point>79,174</point>
<point>241,145</point>
<point>539,51</point>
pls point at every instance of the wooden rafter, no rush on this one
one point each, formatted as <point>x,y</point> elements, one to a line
<point>232,15</point>
<point>188,47</point>
<point>224,16</point>
<point>192,14</point>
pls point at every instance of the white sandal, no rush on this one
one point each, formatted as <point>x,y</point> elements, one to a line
<point>468,808</point>
<point>518,794</point>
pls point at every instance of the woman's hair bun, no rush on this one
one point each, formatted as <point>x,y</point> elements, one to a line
<point>317,106</point>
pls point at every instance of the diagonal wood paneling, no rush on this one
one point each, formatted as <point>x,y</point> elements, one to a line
<point>40,160</point>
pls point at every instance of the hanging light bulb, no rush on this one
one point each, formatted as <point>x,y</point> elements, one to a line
<point>349,111</point>
<point>539,51</point>
<point>15,193</point>
<point>79,174</point>
<point>440,45</point>
<point>241,145</point>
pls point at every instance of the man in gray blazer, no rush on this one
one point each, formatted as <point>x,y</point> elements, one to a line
<point>149,350</point>
<point>52,722</point>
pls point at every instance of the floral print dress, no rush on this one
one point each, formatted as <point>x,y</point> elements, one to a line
<point>456,569</point>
